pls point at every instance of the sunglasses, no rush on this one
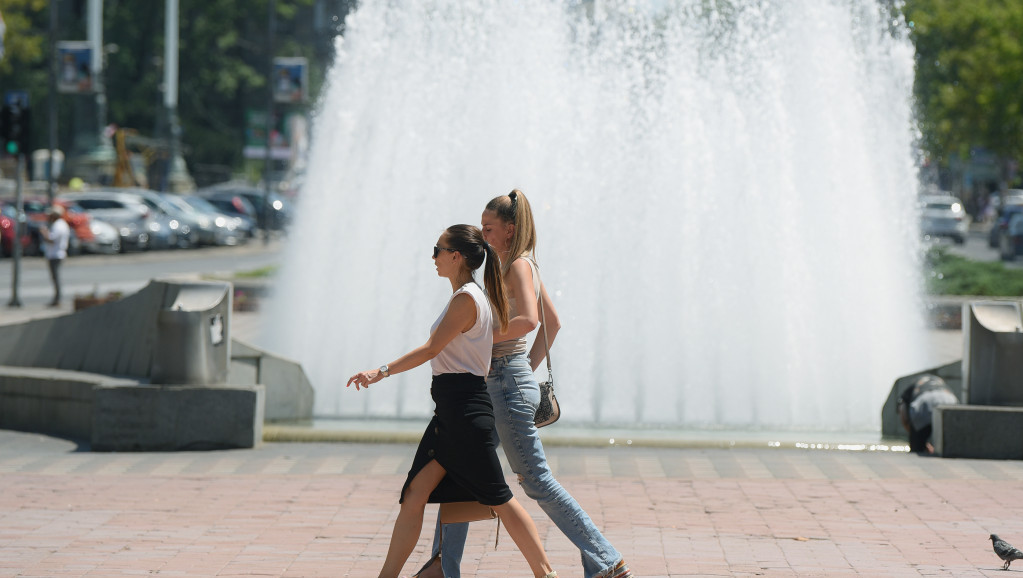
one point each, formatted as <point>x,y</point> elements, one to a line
<point>437,250</point>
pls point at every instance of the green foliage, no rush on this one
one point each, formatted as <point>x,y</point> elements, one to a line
<point>969,74</point>
<point>948,274</point>
<point>25,40</point>
<point>223,60</point>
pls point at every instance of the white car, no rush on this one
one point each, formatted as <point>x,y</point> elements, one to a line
<point>105,238</point>
<point>943,216</point>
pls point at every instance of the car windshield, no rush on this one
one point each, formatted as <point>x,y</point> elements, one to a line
<point>201,204</point>
<point>940,206</point>
<point>179,203</point>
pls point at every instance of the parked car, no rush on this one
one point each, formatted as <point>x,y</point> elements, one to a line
<point>276,207</point>
<point>126,212</point>
<point>105,238</point>
<point>237,207</point>
<point>183,226</point>
<point>1010,240</point>
<point>943,216</point>
<point>78,221</point>
<point>8,220</point>
<point>32,238</point>
<point>227,230</point>
<point>1012,206</point>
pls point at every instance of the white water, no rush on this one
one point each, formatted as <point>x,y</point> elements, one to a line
<point>724,203</point>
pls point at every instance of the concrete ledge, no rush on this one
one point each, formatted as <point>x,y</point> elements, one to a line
<point>51,401</point>
<point>289,395</point>
<point>978,431</point>
<point>173,418</point>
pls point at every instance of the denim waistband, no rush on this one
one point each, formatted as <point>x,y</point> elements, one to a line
<point>499,362</point>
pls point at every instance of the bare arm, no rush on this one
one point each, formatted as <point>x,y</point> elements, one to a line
<point>519,282</point>
<point>461,316</point>
<point>551,324</point>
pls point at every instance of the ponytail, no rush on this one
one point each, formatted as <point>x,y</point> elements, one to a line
<point>494,282</point>
<point>514,208</point>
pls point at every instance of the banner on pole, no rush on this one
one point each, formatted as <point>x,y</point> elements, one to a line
<point>75,74</point>
<point>291,79</point>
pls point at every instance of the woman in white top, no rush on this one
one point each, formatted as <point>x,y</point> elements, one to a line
<point>456,460</point>
<point>508,227</point>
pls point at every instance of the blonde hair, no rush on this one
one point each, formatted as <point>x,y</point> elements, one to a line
<point>514,208</point>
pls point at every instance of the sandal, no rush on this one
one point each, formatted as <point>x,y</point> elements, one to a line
<point>621,570</point>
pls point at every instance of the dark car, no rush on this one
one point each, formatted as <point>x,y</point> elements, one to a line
<point>237,207</point>
<point>275,206</point>
<point>1010,239</point>
<point>227,229</point>
<point>1012,207</point>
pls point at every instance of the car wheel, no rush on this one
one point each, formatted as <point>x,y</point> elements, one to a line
<point>959,239</point>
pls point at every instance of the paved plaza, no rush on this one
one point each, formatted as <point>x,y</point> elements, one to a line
<point>326,509</point>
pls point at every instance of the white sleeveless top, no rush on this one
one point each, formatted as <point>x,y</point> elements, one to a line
<point>516,346</point>
<point>468,352</point>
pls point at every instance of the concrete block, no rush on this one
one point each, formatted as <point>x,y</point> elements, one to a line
<point>978,431</point>
<point>289,395</point>
<point>50,401</point>
<point>174,418</point>
<point>993,353</point>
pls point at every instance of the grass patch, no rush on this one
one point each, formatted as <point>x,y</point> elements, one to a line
<point>262,272</point>
<point>948,274</point>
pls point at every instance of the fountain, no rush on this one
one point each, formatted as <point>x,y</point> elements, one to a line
<point>724,198</point>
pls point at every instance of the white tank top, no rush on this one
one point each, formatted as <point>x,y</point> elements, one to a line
<point>468,352</point>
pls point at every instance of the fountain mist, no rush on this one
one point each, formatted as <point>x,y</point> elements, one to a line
<point>724,201</point>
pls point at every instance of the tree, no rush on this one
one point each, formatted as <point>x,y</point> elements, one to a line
<point>969,75</point>
<point>222,63</point>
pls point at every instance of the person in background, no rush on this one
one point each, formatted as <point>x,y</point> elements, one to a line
<point>916,408</point>
<point>55,238</point>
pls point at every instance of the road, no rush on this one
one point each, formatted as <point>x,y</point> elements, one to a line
<point>976,248</point>
<point>129,272</point>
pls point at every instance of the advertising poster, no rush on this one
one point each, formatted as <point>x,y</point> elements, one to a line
<point>74,72</point>
<point>291,79</point>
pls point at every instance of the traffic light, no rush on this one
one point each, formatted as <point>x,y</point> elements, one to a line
<point>15,122</point>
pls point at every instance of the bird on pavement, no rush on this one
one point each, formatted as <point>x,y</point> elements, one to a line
<point>1005,551</point>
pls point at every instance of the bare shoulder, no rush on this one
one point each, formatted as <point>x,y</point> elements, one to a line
<point>520,267</point>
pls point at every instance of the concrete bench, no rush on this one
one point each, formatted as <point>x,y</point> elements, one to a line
<point>978,431</point>
<point>118,414</point>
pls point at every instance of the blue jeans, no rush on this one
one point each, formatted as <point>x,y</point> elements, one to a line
<point>515,395</point>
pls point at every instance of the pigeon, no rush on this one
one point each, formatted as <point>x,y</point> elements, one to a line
<point>1005,551</point>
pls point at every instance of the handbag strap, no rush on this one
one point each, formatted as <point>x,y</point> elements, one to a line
<point>543,324</point>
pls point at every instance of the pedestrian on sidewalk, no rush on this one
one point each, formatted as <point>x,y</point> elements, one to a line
<point>457,456</point>
<point>508,227</point>
<point>55,241</point>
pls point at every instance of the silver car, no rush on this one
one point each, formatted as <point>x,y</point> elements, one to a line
<point>943,216</point>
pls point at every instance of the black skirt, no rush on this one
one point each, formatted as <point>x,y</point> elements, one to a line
<point>461,437</point>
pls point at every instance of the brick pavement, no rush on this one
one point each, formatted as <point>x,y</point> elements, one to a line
<point>326,509</point>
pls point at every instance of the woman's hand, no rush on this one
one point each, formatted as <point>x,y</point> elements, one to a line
<point>364,379</point>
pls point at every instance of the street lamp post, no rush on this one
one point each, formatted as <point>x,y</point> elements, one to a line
<point>268,159</point>
<point>51,102</point>
<point>170,87</point>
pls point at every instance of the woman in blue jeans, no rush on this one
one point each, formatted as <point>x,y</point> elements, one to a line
<point>508,227</point>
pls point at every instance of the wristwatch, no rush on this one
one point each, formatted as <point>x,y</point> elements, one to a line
<point>385,371</point>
